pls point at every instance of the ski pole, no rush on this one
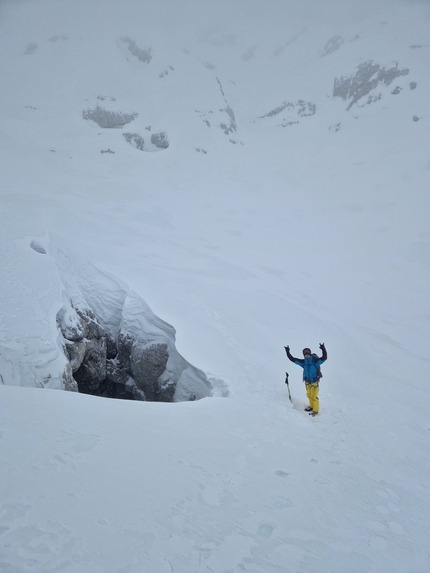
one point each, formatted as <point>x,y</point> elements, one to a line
<point>288,386</point>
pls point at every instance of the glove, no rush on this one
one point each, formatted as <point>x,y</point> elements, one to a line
<point>287,348</point>
<point>322,346</point>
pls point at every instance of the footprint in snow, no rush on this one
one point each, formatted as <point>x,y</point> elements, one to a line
<point>265,530</point>
<point>282,502</point>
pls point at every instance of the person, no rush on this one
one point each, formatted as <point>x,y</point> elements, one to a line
<point>311,375</point>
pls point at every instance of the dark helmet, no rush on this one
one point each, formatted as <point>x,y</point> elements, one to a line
<point>306,351</point>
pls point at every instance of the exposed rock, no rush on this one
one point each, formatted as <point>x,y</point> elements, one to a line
<point>147,365</point>
<point>75,352</point>
<point>93,368</point>
<point>372,98</point>
<point>396,90</point>
<point>111,347</point>
<point>368,76</point>
<point>125,345</point>
<point>278,110</point>
<point>138,394</point>
<point>91,328</point>
<point>142,54</point>
<point>306,108</point>
<point>167,391</point>
<point>203,116</point>
<point>135,140</point>
<point>221,88</point>
<point>116,374</point>
<point>332,45</point>
<point>231,126</point>
<point>108,119</point>
<point>160,140</point>
<point>115,345</point>
<point>87,347</point>
<point>69,382</point>
<point>301,108</point>
<point>288,123</point>
<point>416,118</point>
<point>131,368</point>
<point>79,327</point>
<point>413,85</point>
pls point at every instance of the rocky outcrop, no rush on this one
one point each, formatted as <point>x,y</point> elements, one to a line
<point>98,366</point>
<point>301,108</point>
<point>288,112</point>
<point>135,140</point>
<point>134,357</point>
<point>92,371</point>
<point>160,140</point>
<point>147,366</point>
<point>114,344</point>
<point>108,119</point>
<point>142,54</point>
<point>86,346</point>
<point>69,382</point>
<point>368,77</point>
<point>75,352</point>
<point>231,126</point>
<point>332,45</point>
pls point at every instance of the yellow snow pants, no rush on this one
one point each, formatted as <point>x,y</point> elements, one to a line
<point>312,389</point>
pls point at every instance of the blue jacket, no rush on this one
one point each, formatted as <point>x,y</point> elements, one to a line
<point>309,365</point>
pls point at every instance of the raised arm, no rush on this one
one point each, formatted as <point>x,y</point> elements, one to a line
<point>290,357</point>
<point>324,352</point>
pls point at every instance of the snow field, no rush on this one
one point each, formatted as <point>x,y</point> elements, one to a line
<point>214,485</point>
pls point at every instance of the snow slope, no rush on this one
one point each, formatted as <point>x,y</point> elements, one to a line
<point>253,229</point>
<point>216,485</point>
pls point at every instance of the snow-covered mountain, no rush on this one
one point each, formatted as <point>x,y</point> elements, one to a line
<point>249,175</point>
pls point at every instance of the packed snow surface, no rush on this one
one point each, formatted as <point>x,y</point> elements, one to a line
<point>254,175</point>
